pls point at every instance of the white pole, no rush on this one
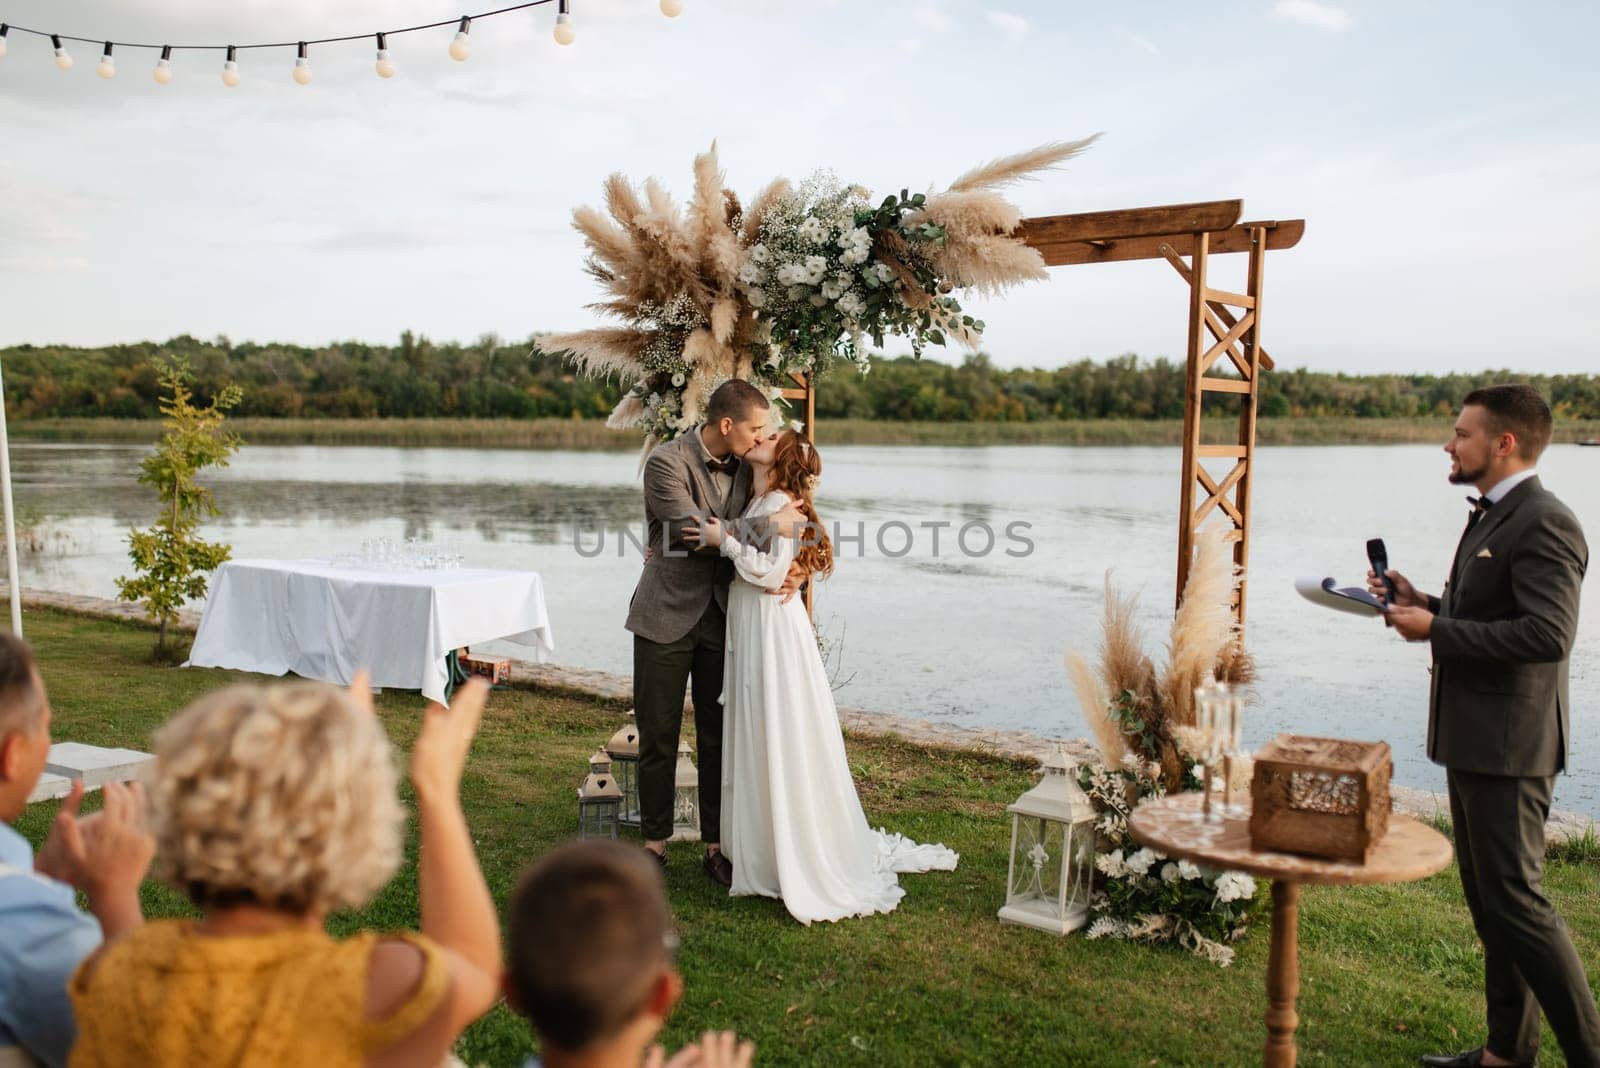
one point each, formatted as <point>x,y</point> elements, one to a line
<point>11,519</point>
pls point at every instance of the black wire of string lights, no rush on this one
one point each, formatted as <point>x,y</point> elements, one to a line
<point>460,47</point>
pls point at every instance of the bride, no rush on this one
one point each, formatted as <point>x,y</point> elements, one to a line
<point>792,824</point>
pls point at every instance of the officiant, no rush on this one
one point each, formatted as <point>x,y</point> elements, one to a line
<point>1498,717</point>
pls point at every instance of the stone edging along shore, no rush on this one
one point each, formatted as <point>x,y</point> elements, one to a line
<point>607,686</point>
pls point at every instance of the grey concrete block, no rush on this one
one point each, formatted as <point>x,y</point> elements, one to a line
<point>50,787</point>
<point>95,765</point>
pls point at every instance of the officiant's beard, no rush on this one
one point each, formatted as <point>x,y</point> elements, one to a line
<point>1463,477</point>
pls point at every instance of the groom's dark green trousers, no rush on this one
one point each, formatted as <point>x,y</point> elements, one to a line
<point>660,672</point>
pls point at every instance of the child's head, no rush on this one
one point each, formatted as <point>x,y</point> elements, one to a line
<point>592,946</point>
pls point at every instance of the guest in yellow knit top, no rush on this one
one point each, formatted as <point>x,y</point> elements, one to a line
<point>271,807</point>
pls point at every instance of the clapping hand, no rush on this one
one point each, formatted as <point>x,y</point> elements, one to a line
<point>105,854</point>
<point>716,1049</point>
<point>440,754</point>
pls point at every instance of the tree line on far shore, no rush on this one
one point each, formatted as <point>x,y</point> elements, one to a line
<point>492,378</point>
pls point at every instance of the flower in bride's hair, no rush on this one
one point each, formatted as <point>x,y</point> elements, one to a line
<point>811,482</point>
<point>797,426</point>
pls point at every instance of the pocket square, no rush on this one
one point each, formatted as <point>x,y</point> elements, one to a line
<point>1485,554</point>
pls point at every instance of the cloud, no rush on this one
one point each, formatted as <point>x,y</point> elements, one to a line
<point>1006,22</point>
<point>1141,42</point>
<point>931,18</point>
<point>1311,13</point>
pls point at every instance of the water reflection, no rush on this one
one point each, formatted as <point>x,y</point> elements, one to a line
<point>972,639</point>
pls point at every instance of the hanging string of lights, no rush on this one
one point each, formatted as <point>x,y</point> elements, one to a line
<point>460,46</point>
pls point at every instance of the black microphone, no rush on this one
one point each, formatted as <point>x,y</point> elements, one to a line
<point>1378,556</point>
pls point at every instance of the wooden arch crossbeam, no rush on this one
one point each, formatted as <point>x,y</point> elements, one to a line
<point>1222,324</point>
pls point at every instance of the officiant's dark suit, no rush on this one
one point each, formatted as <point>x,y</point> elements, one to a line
<point>678,617</point>
<point>1499,722</point>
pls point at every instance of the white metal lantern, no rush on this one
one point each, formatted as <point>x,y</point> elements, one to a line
<point>599,800</point>
<point>1052,852</point>
<point>685,798</point>
<point>623,748</point>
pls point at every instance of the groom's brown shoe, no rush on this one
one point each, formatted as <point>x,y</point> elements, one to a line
<point>719,868</point>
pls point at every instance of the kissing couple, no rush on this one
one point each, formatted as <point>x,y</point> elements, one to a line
<point>733,533</point>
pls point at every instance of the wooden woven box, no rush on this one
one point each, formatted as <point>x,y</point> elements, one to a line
<point>1321,797</point>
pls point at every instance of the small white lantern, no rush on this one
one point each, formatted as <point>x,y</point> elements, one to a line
<point>599,800</point>
<point>1052,852</point>
<point>685,798</point>
<point>623,748</point>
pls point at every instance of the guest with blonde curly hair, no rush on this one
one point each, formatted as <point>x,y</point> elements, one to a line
<point>273,806</point>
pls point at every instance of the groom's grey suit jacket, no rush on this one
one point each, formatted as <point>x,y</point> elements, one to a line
<point>678,581</point>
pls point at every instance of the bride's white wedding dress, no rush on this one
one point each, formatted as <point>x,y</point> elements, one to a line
<point>791,821</point>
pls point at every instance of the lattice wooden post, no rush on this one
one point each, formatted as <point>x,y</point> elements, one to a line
<point>1238,338</point>
<point>804,389</point>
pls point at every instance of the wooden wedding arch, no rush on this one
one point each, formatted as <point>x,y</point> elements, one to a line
<point>1222,323</point>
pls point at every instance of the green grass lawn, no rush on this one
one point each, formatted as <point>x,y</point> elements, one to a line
<point>1387,973</point>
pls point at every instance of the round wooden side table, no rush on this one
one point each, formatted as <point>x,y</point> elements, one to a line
<point>1175,825</point>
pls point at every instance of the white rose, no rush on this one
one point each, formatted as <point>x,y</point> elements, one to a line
<point>1234,886</point>
<point>1169,872</point>
<point>1140,862</point>
<point>678,380</point>
<point>832,290</point>
<point>884,272</point>
<point>1188,870</point>
<point>757,298</point>
<point>751,272</point>
<point>1110,864</point>
<point>816,267</point>
<point>854,255</point>
<point>759,253</point>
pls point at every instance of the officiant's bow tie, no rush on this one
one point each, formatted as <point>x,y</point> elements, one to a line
<point>1480,505</point>
<point>724,465</point>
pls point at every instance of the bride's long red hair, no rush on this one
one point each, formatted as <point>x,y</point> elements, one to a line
<point>796,467</point>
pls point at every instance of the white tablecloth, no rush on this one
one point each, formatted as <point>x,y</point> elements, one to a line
<point>325,622</point>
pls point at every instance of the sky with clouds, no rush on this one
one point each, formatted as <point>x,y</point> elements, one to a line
<point>1446,157</point>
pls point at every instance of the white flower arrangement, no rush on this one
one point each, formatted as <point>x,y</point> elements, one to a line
<point>1144,896</point>
<point>783,289</point>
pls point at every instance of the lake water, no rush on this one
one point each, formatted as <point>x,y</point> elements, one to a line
<point>944,631</point>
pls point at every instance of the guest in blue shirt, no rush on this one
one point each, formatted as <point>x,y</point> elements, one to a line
<point>43,935</point>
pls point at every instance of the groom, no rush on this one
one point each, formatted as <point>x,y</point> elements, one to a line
<point>678,614</point>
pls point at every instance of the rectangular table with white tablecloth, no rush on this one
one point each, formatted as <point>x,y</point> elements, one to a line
<point>322,621</point>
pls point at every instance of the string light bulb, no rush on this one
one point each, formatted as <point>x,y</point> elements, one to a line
<point>302,67</point>
<point>384,66</point>
<point>4,29</point>
<point>565,34</point>
<point>460,49</point>
<point>672,8</point>
<point>230,68</point>
<point>107,67</point>
<point>163,72</point>
<point>63,60</point>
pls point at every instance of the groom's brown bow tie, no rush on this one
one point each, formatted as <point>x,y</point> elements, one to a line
<point>724,465</point>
